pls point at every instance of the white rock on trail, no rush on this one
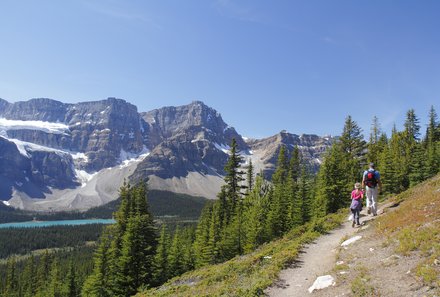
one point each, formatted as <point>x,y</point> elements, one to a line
<point>351,240</point>
<point>322,282</point>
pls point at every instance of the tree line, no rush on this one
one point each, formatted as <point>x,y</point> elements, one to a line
<point>250,210</point>
<point>20,241</point>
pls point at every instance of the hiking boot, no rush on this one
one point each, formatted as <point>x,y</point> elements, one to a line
<point>368,210</point>
<point>352,224</point>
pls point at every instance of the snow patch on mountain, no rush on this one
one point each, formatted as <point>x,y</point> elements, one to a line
<point>222,147</point>
<point>127,158</point>
<point>79,156</point>
<point>84,177</point>
<point>48,127</point>
<point>27,147</point>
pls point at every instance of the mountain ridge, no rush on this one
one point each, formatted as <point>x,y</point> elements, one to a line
<point>177,148</point>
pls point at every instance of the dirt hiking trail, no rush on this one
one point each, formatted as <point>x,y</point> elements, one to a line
<point>316,259</point>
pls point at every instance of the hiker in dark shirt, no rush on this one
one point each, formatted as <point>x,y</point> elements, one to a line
<point>372,184</point>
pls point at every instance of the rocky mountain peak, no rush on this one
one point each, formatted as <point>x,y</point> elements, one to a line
<point>83,150</point>
<point>37,109</point>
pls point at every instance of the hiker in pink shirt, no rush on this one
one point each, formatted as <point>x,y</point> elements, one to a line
<point>356,203</point>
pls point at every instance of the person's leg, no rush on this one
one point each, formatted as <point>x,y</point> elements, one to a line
<point>357,216</point>
<point>374,193</point>
<point>368,193</point>
<point>353,213</point>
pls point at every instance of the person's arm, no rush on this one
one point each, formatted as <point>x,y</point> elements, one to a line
<point>379,182</point>
<point>363,180</point>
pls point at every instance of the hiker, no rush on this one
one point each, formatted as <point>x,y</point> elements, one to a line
<point>356,203</point>
<point>372,185</point>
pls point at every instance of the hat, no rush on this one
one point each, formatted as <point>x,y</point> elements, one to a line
<point>357,185</point>
<point>372,165</point>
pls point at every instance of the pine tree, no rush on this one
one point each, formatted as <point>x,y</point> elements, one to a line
<point>352,141</point>
<point>138,244</point>
<point>188,237</point>
<point>175,257</point>
<point>233,177</point>
<point>388,172</point>
<point>29,278</point>
<point>161,266</point>
<point>203,254</point>
<point>98,284</point>
<point>11,286</point>
<point>432,163</point>
<point>213,247</point>
<point>72,285</point>
<point>123,261</point>
<point>332,184</point>
<point>417,170</point>
<point>294,197</point>
<point>250,176</point>
<point>278,216</point>
<point>305,195</point>
<point>254,216</point>
<point>43,271</point>
<point>412,127</point>
<point>375,144</point>
<point>54,289</point>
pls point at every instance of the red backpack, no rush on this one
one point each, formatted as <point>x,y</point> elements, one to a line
<point>370,179</point>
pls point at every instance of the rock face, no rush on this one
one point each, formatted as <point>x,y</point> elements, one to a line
<point>311,148</point>
<point>186,139</point>
<point>102,130</point>
<point>33,171</point>
<point>82,151</point>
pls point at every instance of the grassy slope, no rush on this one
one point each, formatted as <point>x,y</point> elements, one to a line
<point>415,228</point>
<point>250,274</point>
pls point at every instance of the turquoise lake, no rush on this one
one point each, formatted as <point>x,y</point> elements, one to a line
<point>39,224</point>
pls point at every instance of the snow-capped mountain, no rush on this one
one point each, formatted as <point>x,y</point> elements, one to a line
<point>57,156</point>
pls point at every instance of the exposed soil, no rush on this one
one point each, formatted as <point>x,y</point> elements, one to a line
<point>367,267</point>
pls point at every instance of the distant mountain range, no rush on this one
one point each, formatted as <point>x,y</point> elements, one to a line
<point>56,156</point>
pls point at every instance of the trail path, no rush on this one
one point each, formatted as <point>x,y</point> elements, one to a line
<point>315,260</point>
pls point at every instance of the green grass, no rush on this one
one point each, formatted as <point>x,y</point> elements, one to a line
<point>415,228</point>
<point>250,274</point>
<point>360,286</point>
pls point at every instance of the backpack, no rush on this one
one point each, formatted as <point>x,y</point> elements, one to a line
<point>370,179</point>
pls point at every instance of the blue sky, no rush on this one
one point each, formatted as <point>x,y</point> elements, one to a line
<point>302,66</point>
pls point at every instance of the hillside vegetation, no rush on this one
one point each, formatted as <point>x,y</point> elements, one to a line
<point>414,228</point>
<point>410,228</point>
<point>250,274</point>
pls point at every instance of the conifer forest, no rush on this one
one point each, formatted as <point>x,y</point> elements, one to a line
<point>138,252</point>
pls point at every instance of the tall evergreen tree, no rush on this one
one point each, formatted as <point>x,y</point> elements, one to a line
<point>202,250</point>
<point>305,195</point>
<point>234,176</point>
<point>43,271</point>
<point>295,198</point>
<point>250,176</point>
<point>175,257</point>
<point>161,265</point>
<point>123,262</point>
<point>29,278</point>
<point>98,283</point>
<point>11,286</point>
<point>278,216</point>
<point>375,144</point>
<point>55,284</point>
<point>432,162</point>
<point>254,217</point>
<point>412,126</point>
<point>72,285</point>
